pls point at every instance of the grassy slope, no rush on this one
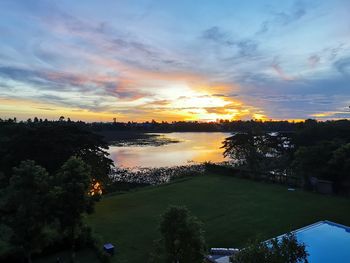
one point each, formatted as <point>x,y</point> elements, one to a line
<point>232,210</point>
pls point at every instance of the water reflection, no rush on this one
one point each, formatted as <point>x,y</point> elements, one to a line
<point>194,147</point>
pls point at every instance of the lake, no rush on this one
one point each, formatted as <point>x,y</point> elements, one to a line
<point>193,147</point>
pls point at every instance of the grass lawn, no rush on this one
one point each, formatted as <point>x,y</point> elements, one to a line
<point>82,256</point>
<point>233,211</point>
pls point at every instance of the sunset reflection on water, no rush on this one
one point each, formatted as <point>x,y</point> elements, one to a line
<point>193,147</point>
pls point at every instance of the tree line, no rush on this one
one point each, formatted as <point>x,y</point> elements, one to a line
<point>50,174</point>
<point>174,126</point>
<point>314,151</point>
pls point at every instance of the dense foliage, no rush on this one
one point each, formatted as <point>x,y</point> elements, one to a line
<point>284,250</point>
<point>72,199</point>
<point>25,209</point>
<point>182,238</point>
<point>50,144</point>
<point>38,209</point>
<point>259,153</point>
<point>314,151</point>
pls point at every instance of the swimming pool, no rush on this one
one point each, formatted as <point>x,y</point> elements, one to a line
<point>326,242</point>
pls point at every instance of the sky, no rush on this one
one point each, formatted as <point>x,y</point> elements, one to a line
<point>175,60</point>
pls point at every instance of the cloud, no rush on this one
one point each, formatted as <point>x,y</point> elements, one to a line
<point>283,18</point>
<point>239,47</point>
<point>218,95</point>
<point>45,108</point>
<point>314,60</point>
<point>280,72</point>
<point>332,114</point>
<point>343,66</point>
<point>64,81</point>
<point>247,47</point>
<point>216,34</point>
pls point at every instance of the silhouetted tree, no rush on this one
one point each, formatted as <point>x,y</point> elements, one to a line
<point>340,167</point>
<point>182,237</point>
<point>24,208</point>
<point>71,192</point>
<point>50,145</point>
<point>313,161</point>
<point>246,149</point>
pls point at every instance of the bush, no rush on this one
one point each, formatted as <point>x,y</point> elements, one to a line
<point>182,238</point>
<point>283,250</point>
<point>97,245</point>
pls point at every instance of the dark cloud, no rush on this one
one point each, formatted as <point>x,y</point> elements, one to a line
<point>218,95</point>
<point>343,66</point>
<point>300,98</point>
<point>314,60</point>
<point>68,82</point>
<point>245,47</point>
<point>216,34</point>
<point>45,108</point>
<point>283,18</point>
<point>22,75</point>
<point>53,98</point>
<point>334,51</point>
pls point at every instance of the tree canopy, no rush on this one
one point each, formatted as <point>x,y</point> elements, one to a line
<point>50,144</point>
<point>284,250</point>
<point>182,237</point>
<point>25,208</point>
<point>37,208</point>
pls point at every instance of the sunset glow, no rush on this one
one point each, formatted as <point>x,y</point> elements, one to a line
<point>141,60</point>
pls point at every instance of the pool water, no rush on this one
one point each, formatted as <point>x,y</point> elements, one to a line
<point>326,242</point>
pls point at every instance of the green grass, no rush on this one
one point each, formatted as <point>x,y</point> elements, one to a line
<point>233,211</point>
<point>82,256</point>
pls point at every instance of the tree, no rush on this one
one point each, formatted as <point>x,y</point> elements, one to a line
<point>245,149</point>
<point>71,191</point>
<point>313,161</point>
<point>260,152</point>
<point>279,150</point>
<point>182,237</point>
<point>340,167</point>
<point>24,208</point>
<point>284,250</point>
<point>50,145</point>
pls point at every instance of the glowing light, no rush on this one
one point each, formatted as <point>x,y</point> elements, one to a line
<point>96,188</point>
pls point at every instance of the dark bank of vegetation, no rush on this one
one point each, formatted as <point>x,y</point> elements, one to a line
<point>135,129</point>
<point>51,175</point>
<point>317,151</point>
<point>50,144</point>
<point>41,212</point>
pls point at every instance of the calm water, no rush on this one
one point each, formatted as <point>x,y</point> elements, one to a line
<point>193,147</point>
<point>326,242</point>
